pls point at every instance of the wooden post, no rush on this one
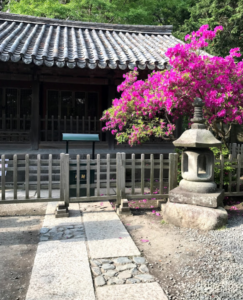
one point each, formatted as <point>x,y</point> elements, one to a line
<point>118,180</point>
<point>173,169</point>
<point>123,175</point>
<point>110,138</point>
<point>62,207</point>
<point>35,115</point>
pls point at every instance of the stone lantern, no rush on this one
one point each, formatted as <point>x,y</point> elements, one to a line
<point>196,202</point>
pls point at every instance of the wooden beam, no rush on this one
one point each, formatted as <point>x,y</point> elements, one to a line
<point>79,80</point>
<point>11,76</point>
<point>110,137</point>
<point>35,115</point>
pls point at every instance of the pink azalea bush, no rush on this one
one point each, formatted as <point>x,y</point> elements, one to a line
<point>151,107</point>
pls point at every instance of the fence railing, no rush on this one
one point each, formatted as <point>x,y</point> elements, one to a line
<point>69,179</point>
<point>53,127</point>
<point>13,128</point>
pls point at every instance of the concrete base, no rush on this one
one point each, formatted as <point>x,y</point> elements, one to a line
<point>61,211</point>
<point>192,216</point>
<point>214,200</point>
<point>123,209</point>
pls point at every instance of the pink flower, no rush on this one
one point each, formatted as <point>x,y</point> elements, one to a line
<point>153,211</point>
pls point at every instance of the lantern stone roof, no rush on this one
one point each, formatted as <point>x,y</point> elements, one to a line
<point>198,136</point>
<point>50,42</point>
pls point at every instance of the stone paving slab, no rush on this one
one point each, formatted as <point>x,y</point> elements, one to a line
<point>50,220</point>
<point>61,269</point>
<point>140,291</point>
<point>61,272</point>
<point>106,235</point>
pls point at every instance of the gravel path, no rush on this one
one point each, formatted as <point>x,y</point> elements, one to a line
<point>218,274</point>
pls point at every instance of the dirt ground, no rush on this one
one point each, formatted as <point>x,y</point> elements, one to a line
<point>19,236</point>
<point>167,248</point>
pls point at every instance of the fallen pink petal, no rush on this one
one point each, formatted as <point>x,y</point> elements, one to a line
<point>144,241</point>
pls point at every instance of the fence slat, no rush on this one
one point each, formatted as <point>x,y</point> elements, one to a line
<point>78,177</point>
<point>89,123</point>
<point>27,162</point>
<point>94,124</point>
<point>52,128</point>
<point>59,127</point>
<point>46,127</point>
<point>118,178</point>
<point>133,174</point>
<point>15,175</point>
<point>234,150</point>
<point>24,122</point>
<point>65,124</point>
<point>173,167</point>
<point>3,176</point>
<point>123,175</point>
<point>108,175</point>
<point>142,173</point>
<point>161,174</point>
<point>11,122</point>
<point>151,174</point>
<point>50,176</point>
<point>71,124</point>
<point>238,173</point>
<point>230,174</point>
<point>83,125</point>
<point>221,171</point>
<point>77,123</point>
<point>3,121</point>
<point>38,174</point>
<point>88,176</point>
<point>18,122</point>
<point>98,174</point>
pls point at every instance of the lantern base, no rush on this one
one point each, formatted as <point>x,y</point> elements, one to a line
<point>192,216</point>
<point>198,186</point>
<point>179,195</point>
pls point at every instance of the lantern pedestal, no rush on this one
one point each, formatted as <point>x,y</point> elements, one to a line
<point>213,200</point>
<point>193,216</point>
<point>196,203</point>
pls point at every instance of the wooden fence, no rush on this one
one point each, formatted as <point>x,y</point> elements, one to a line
<point>42,178</point>
<point>17,128</point>
<point>105,178</point>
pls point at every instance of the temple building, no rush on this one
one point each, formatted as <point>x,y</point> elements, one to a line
<point>59,76</point>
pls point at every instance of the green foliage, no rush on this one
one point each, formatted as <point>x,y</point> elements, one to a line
<point>146,12</point>
<point>179,152</point>
<point>228,13</point>
<point>224,151</point>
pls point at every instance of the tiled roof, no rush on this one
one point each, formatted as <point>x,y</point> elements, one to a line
<point>59,42</point>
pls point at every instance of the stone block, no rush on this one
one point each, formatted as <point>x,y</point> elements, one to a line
<point>125,267</point>
<point>124,208</point>
<point>61,211</point>
<point>121,261</point>
<point>139,260</point>
<point>214,200</point>
<point>193,216</point>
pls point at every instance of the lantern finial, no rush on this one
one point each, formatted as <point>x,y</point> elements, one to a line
<point>198,120</point>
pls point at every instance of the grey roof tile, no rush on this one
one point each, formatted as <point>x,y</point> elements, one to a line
<point>82,44</point>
